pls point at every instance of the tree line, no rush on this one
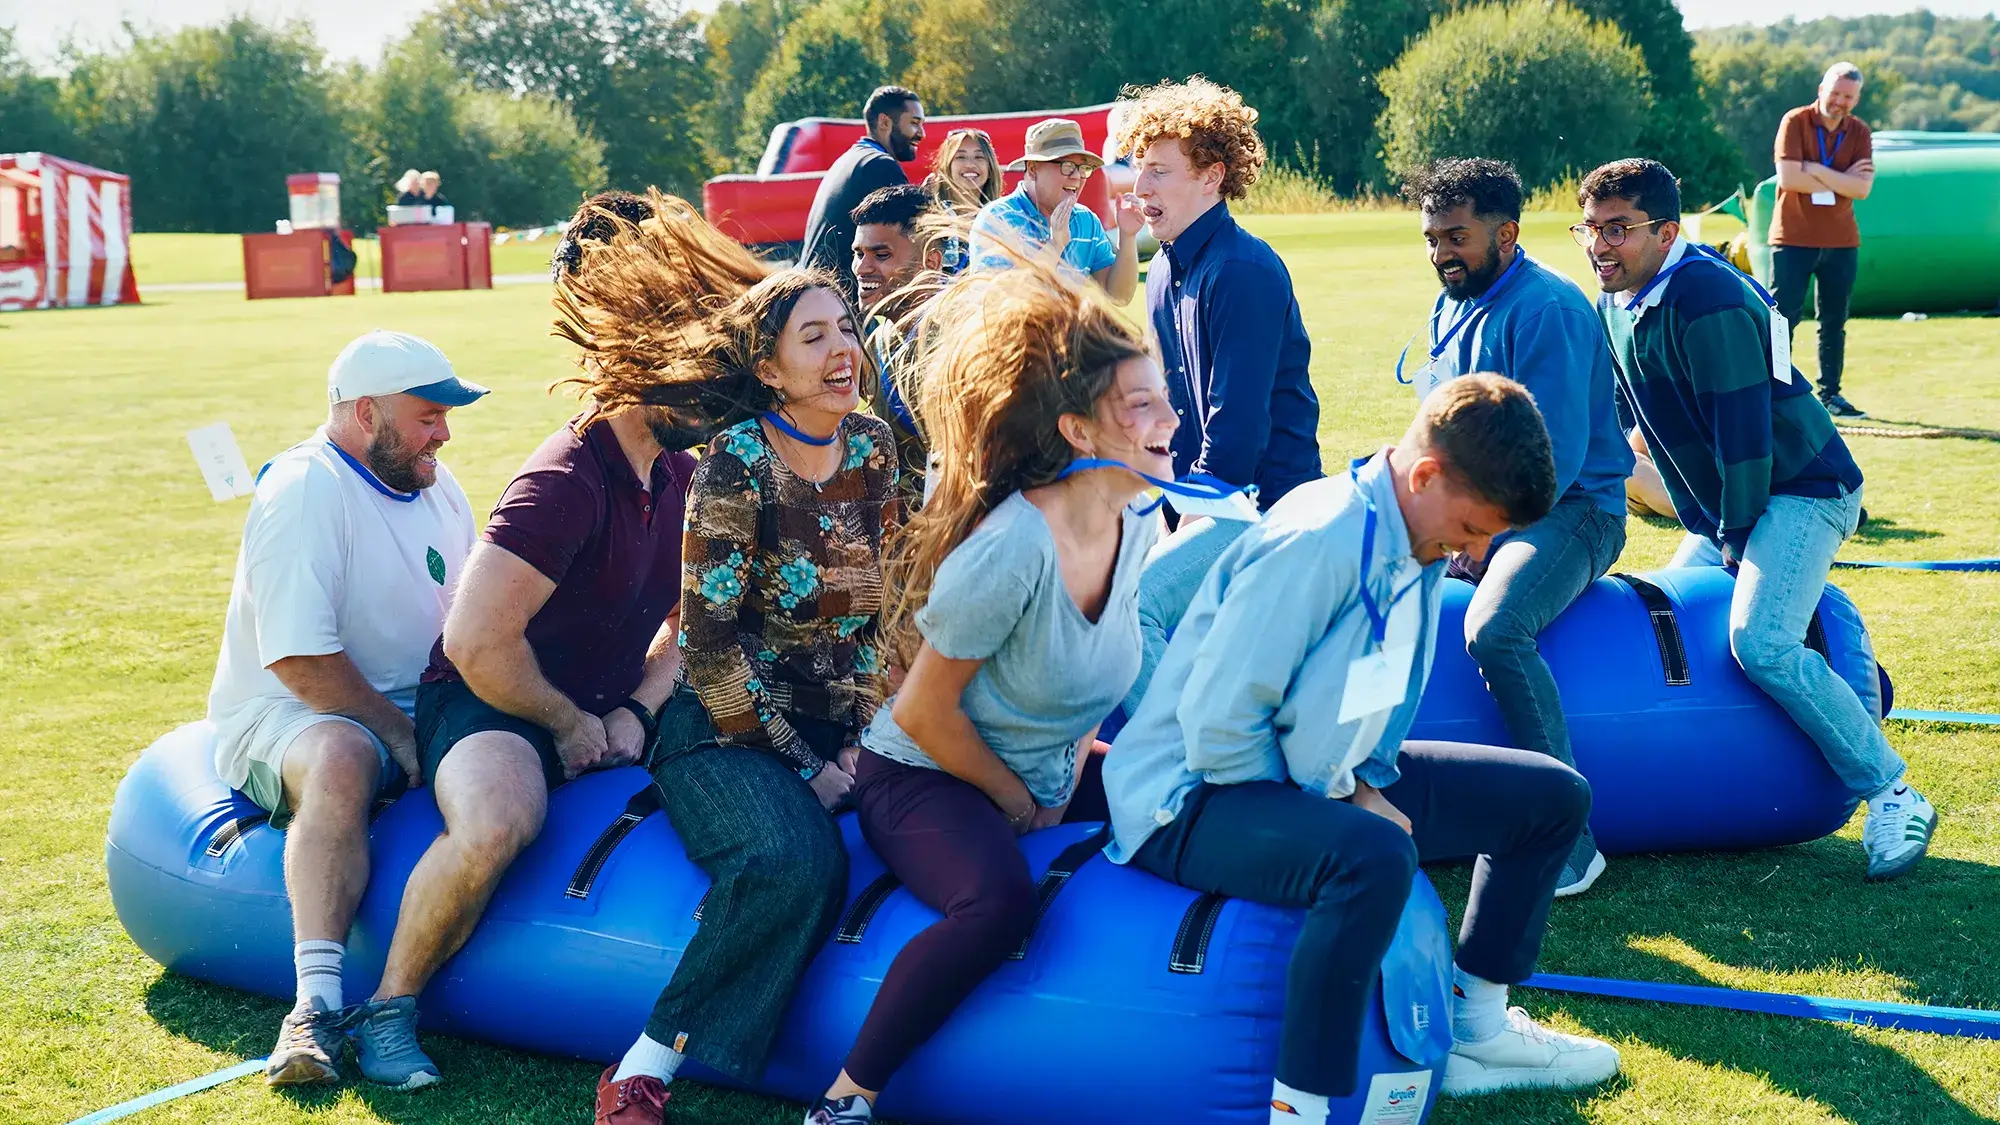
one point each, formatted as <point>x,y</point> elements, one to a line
<point>526,105</point>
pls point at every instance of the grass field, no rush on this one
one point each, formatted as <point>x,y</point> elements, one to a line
<point>115,569</point>
<point>174,259</point>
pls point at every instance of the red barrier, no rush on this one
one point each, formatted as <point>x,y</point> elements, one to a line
<point>772,206</point>
<point>291,265</point>
<point>426,257</point>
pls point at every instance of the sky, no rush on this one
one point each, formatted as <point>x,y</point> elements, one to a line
<point>358,29</point>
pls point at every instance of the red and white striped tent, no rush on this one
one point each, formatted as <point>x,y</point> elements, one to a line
<point>65,234</point>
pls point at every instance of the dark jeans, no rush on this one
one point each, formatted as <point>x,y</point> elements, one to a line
<point>1266,841</point>
<point>1530,579</point>
<point>778,878</point>
<point>1791,268</point>
<point>952,848</point>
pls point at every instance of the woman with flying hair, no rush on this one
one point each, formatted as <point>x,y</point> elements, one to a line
<point>781,591</point>
<point>1013,606</point>
<point>965,176</point>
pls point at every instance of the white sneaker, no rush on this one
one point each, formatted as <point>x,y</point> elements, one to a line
<point>1527,1056</point>
<point>1897,832</point>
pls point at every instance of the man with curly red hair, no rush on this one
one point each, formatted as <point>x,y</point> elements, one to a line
<point>1231,341</point>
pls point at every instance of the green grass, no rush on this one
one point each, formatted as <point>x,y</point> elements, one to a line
<point>172,259</point>
<point>115,568</point>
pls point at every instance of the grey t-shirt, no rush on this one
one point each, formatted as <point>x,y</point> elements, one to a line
<point>1050,675</point>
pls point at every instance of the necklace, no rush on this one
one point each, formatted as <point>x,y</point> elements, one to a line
<point>779,424</point>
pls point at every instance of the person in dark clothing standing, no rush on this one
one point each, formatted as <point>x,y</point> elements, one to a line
<point>894,119</point>
<point>1826,161</point>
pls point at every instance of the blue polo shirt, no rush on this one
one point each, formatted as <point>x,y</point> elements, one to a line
<point>1015,215</point>
<point>1236,354</point>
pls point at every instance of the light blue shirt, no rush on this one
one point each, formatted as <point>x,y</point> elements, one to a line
<point>1251,685</point>
<point>1015,215</point>
<point>1050,675</point>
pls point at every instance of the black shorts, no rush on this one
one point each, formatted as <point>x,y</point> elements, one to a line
<point>448,713</point>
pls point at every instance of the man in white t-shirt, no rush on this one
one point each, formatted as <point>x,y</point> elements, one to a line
<point>353,546</point>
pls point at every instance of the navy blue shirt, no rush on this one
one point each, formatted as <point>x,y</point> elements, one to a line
<point>1236,353</point>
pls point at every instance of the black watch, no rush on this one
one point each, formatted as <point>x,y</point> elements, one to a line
<point>647,723</point>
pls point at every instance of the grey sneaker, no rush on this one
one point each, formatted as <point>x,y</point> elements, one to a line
<point>1581,869</point>
<point>309,1046</point>
<point>385,1045</point>
<point>1897,833</point>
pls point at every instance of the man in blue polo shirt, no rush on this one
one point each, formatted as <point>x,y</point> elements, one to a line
<point>1043,211</point>
<point>1504,312</point>
<point>1231,340</point>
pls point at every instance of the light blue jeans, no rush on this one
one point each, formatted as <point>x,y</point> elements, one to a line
<point>1778,585</point>
<point>1174,570</point>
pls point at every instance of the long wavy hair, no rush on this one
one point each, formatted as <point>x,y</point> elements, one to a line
<point>948,188</point>
<point>1002,357</point>
<point>668,311</point>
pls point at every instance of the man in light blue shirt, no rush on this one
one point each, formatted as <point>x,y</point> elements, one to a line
<point>1043,212</point>
<point>1502,311</point>
<point>1267,759</point>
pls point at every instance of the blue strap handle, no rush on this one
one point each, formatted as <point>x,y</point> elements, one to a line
<point>1972,1023</point>
<point>1962,565</point>
<point>161,1097</point>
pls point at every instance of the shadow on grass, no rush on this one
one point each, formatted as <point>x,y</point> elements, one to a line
<point>1881,529</point>
<point>482,1083</point>
<point>1694,919</point>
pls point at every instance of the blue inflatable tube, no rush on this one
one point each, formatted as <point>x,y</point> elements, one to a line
<point>1136,1002</point>
<point>1658,710</point>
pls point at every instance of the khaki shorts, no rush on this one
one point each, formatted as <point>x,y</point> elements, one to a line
<point>257,751</point>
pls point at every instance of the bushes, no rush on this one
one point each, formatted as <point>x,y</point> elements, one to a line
<point>1537,84</point>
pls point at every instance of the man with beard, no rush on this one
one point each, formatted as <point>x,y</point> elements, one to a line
<point>1501,311</point>
<point>887,257</point>
<point>893,118</point>
<point>354,543</point>
<point>554,661</point>
<point>1761,479</point>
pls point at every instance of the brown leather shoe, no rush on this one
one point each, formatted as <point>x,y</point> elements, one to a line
<point>639,1100</point>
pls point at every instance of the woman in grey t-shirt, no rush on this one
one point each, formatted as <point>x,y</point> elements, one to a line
<point>1013,603</point>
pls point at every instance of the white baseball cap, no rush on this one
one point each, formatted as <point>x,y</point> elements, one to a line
<point>388,363</point>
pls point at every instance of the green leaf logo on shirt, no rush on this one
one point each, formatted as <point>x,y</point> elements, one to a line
<point>436,562</point>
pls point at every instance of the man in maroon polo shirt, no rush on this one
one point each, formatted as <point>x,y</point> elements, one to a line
<point>557,653</point>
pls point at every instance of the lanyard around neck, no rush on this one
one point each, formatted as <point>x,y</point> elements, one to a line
<point>1823,157</point>
<point>1475,309</point>
<point>1194,486</point>
<point>1696,251</point>
<point>1378,616</point>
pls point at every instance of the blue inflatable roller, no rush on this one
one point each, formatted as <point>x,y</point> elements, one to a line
<point>1134,1001</point>
<point>1659,710</point>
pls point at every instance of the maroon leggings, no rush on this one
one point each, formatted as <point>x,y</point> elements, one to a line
<point>952,848</point>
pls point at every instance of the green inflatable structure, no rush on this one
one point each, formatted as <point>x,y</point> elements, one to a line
<point>1930,229</point>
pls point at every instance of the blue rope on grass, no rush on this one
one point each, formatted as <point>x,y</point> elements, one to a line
<point>1971,1023</point>
<point>161,1097</point>
<point>1936,564</point>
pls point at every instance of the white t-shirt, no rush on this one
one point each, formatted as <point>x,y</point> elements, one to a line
<point>333,561</point>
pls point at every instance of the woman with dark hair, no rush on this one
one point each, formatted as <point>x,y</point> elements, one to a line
<point>1014,606</point>
<point>965,176</point>
<point>781,589</point>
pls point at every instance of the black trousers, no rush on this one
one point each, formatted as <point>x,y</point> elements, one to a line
<point>1792,267</point>
<point>1519,812</point>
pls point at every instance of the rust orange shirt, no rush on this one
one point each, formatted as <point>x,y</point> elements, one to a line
<point>1799,221</point>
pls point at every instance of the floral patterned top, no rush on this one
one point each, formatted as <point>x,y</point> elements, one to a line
<point>781,586</point>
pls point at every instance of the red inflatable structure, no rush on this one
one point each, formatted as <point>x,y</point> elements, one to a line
<point>65,234</point>
<point>770,208</point>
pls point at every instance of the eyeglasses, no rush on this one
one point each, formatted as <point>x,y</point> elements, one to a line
<point>1613,234</point>
<point>1074,167</point>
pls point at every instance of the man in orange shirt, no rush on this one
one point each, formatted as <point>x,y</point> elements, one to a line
<point>1825,158</point>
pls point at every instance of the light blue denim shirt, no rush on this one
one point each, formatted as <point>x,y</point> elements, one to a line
<point>1015,215</point>
<point>1251,684</point>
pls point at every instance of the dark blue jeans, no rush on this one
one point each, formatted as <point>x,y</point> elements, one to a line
<point>1834,270</point>
<point>1519,812</point>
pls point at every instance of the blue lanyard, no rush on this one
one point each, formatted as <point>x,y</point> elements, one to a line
<point>1823,158</point>
<point>1696,250</point>
<point>1197,486</point>
<point>797,434</point>
<point>1378,616</point>
<point>373,481</point>
<point>1475,309</point>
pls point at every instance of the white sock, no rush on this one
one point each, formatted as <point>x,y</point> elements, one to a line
<point>1896,790</point>
<point>650,1056</point>
<point>1478,1007</point>
<point>318,966</point>
<point>1296,1107</point>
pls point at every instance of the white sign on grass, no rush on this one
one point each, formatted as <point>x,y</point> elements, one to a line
<point>221,462</point>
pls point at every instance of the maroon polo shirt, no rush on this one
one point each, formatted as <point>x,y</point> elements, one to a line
<point>576,513</point>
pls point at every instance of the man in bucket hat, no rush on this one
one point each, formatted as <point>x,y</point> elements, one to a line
<point>1043,212</point>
